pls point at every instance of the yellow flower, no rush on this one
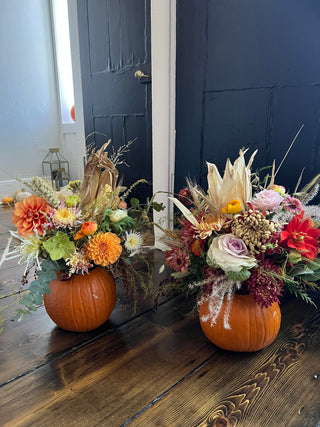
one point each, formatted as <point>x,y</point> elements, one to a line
<point>233,207</point>
<point>104,248</point>
<point>65,217</point>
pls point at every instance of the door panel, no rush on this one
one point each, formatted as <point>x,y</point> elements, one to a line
<point>114,43</point>
<point>248,75</point>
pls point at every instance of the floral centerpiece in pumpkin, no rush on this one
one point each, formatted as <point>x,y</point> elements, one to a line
<point>243,237</point>
<point>78,229</point>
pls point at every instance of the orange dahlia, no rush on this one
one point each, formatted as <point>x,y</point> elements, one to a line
<point>104,248</point>
<point>30,214</point>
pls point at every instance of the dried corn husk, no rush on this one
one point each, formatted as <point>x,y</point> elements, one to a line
<point>99,171</point>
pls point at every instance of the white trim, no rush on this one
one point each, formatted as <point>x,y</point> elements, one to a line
<point>163,69</point>
<point>80,149</point>
<point>72,135</point>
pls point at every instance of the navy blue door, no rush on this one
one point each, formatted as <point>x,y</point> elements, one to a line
<point>114,44</point>
<point>248,75</point>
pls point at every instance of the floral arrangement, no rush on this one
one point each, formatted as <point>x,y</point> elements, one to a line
<point>243,236</point>
<point>85,225</point>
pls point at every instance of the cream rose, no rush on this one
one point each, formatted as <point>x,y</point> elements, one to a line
<point>229,253</point>
<point>118,215</point>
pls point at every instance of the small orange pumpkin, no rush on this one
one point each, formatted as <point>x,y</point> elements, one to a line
<point>73,113</point>
<point>252,327</point>
<point>83,302</point>
<point>7,200</point>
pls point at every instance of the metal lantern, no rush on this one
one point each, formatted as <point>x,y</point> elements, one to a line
<point>56,168</point>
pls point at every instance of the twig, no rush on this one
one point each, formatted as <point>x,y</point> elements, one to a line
<point>294,140</point>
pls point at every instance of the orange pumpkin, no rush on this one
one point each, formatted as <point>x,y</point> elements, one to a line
<point>7,200</point>
<point>82,303</point>
<point>73,113</point>
<point>252,327</point>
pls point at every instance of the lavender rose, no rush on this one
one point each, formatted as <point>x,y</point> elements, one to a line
<point>229,253</point>
<point>267,200</point>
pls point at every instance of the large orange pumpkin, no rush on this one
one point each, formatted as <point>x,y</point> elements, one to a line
<point>82,303</point>
<point>252,327</point>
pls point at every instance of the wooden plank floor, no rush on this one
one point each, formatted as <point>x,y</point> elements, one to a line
<point>153,369</point>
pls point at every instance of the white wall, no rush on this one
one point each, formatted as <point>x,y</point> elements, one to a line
<point>29,115</point>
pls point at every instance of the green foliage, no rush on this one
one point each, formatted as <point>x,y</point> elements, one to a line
<point>59,246</point>
<point>180,275</point>
<point>307,271</point>
<point>149,205</point>
<point>120,227</point>
<point>295,289</point>
<point>239,276</point>
<point>38,288</point>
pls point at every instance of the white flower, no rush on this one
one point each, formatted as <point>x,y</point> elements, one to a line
<point>229,253</point>
<point>28,250</point>
<point>235,184</point>
<point>133,242</point>
<point>118,215</point>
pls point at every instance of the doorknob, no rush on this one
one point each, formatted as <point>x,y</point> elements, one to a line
<point>139,74</point>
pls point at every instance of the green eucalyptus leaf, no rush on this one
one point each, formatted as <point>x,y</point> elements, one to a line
<point>158,207</point>
<point>135,203</point>
<point>180,275</point>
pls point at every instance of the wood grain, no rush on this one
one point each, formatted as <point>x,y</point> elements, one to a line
<point>155,369</point>
<point>110,378</point>
<point>270,387</point>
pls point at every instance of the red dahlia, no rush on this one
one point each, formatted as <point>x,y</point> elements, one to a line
<point>177,259</point>
<point>302,236</point>
<point>185,197</point>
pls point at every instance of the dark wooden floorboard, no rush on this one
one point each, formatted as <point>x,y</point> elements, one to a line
<point>153,368</point>
<point>279,385</point>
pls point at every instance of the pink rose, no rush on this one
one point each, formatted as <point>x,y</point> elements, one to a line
<point>267,200</point>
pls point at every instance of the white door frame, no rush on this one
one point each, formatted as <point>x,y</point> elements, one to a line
<point>163,71</point>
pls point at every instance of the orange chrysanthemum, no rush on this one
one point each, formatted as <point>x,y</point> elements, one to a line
<point>104,248</point>
<point>30,214</point>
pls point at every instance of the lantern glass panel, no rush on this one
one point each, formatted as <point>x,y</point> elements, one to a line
<point>56,168</point>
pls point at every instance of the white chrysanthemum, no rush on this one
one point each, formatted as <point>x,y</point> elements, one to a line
<point>118,215</point>
<point>78,263</point>
<point>28,250</point>
<point>133,241</point>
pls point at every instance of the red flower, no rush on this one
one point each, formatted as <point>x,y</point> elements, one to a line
<point>302,236</point>
<point>188,236</point>
<point>185,197</point>
<point>263,285</point>
<point>177,259</point>
<point>30,214</point>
